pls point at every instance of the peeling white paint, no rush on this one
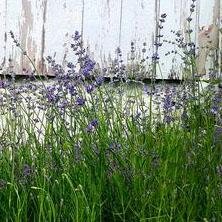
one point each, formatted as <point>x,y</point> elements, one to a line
<point>44,27</point>
<point>208,39</point>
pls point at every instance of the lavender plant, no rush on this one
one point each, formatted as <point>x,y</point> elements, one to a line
<point>76,148</point>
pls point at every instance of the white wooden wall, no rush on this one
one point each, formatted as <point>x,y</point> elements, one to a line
<point>44,27</point>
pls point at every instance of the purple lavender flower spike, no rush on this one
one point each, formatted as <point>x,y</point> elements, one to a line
<point>26,170</point>
<point>90,88</point>
<point>80,102</point>
<point>219,170</point>
<point>95,122</point>
<point>92,125</point>
<point>99,81</point>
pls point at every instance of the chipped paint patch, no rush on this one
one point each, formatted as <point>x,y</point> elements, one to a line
<point>208,39</point>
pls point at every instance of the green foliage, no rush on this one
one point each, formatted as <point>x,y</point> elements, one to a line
<point>121,170</point>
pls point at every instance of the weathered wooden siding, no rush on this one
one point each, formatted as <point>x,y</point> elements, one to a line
<point>44,27</point>
<point>2,33</point>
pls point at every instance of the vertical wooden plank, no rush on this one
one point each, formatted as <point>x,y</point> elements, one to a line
<point>101,28</point>
<point>206,12</point>
<point>3,13</point>
<point>138,24</point>
<point>26,32</point>
<point>42,59</point>
<point>13,17</point>
<point>63,18</point>
<point>92,26</point>
<point>208,35</point>
<point>120,23</point>
<point>31,31</point>
<point>83,13</point>
<point>175,21</point>
<point>25,19</point>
